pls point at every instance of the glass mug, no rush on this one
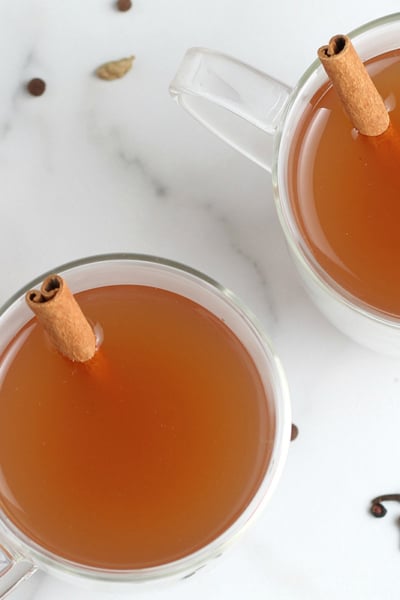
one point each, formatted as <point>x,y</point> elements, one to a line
<point>26,555</point>
<point>258,116</point>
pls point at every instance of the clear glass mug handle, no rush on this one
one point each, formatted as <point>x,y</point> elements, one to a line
<point>235,101</point>
<point>14,569</point>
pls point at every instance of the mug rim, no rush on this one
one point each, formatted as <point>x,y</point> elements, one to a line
<point>16,541</point>
<point>287,220</point>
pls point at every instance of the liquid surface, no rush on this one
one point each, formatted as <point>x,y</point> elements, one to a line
<point>345,191</point>
<point>142,455</point>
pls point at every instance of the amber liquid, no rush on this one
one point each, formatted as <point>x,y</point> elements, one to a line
<point>345,192</point>
<point>143,456</point>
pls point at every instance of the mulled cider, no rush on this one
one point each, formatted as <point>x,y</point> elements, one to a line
<point>345,192</point>
<point>144,454</point>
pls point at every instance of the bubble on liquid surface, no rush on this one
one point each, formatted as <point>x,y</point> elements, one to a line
<point>99,334</point>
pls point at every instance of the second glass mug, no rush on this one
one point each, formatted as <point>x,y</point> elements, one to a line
<point>258,116</point>
<point>24,554</point>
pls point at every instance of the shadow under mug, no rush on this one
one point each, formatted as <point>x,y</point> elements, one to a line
<point>258,116</point>
<point>24,555</point>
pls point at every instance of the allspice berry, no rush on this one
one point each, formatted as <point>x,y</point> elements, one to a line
<point>124,5</point>
<point>36,86</point>
<point>294,432</point>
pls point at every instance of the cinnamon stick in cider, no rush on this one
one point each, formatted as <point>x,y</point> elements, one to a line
<point>62,318</point>
<point>355,88</point>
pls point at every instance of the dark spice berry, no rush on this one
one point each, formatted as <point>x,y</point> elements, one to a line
<point>36,87</point>
<point>124,5</point>
<point>294,433</point>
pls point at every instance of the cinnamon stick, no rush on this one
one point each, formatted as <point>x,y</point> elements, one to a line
<point>355,88</point>
<point>62,318</point>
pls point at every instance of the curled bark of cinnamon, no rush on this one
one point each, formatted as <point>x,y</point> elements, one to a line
<point>62,318</point>
<point>355,88</point>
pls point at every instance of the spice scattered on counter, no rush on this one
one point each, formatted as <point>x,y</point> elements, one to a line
<point>36,86</point>
<point>115,69</point>
<point>294,433</point>
<point>124,5</point>
<point>377,509</point>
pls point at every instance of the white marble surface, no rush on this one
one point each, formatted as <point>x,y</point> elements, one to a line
<point>93,167</point>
